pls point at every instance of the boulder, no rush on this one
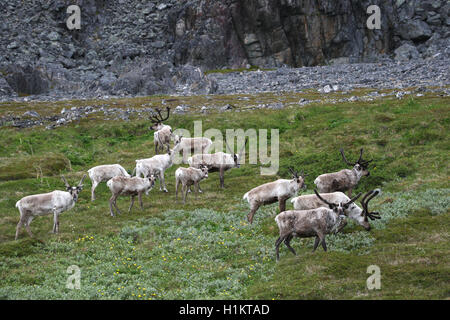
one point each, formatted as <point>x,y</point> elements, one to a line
<point>406,52</point>
<point>416,30</point>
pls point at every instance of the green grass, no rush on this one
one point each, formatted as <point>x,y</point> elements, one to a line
<point>206,249</point>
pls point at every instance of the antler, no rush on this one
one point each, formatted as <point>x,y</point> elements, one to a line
<point>228,147</point>
<point>65,182</point>
<point>369,195</point>
<point>294,173</point>
<point>243,148</point>
<point>81,181</point>
<point>352,199</point>
<point>345,159</point>
<point>331,205</point>
<point>158,118</point>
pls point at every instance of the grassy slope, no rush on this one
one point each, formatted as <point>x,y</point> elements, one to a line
<point>212,252</point>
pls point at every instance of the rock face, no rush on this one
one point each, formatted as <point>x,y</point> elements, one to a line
<point>142,47</point>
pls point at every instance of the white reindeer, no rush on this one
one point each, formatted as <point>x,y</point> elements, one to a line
<point>344,180</point>
<point>156,165</point>
<point>55,202</point>
<point>133,186</point>
<point>271,192</point>
<point>311,223</point>
<point>187,177</point>
<point>104,173</point>
<point>361,216</point>
<point>218,161</point>
<point>189,146</point>
<point>163,133</point>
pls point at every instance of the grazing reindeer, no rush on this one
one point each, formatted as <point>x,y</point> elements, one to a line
<point>344,180</point>
<point>163,133</point>
<point>104,173</point>
<point>156,165</point>
<point>311,223</point>
<point>271,192</point>
<point>190,145</point>
<point>187,177</point>
<point>133,186</point>
<point>218,161</point>
<point>55,202</point>
<point>310,201</point>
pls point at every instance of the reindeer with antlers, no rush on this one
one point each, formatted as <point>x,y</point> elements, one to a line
<point>55,202</point>
<point>344,180</point>
<point>354,212</point>
<point>271,192</point>
<point>163,133</point>
<point>218,161</point>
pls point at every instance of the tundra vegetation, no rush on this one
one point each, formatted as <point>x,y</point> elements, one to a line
<point>206,248</point>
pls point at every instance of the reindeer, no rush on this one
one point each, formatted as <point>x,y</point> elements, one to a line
<point>218,161</point>
<point>55,202</point>
<point>104,173</point>
<point>311,223</point>
<point>271,192</point>
<point>187,177</point>
<point>156,165</point>
<point>361,216</point>
<point>129,186</point>
<point>192,145</point>
<point>344,180</point>
<point>163,133</point>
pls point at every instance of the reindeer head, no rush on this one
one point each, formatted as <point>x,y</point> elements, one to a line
<point>74,191</point>
<point>204,169</point>
<point>299,179</point>
<point>361,166</point>
<point>151,178</point>
<point>177,139</point>
<point>338,208</point>
<point>236,156</point>
<point>157,119</point>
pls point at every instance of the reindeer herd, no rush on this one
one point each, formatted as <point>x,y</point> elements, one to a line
<point>314,215</point>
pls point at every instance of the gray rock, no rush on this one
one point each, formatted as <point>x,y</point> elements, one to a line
<point>416,30</point>
<point>406,52</point>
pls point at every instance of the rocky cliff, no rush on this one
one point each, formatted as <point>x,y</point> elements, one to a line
<point>146,47</point>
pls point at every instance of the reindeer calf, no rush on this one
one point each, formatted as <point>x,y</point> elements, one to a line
<point>271,192</point>
<point>187,177</point>
<point>133,186</point>
<point>311,223</point>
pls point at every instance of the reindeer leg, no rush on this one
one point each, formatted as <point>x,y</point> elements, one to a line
<point>287,242</point>
<point>199,189</point>
<point>19,225</point>
<point>196,190</point>
<point>316,243</point>
<point>111,201</point>
<point>282,204</point>
<point>140,201</point>
<point>185,193</point>
<point>131,205</point>
<point>349,193</point>
<point>94,186</point>
<point>161,178</point>
<point>177,183</point>
<point>324,244</point>
<point>252,212</point>
<point>221,177</point>
<point>57,222</point>
<point>27,226</point>
<point>277,246</point>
